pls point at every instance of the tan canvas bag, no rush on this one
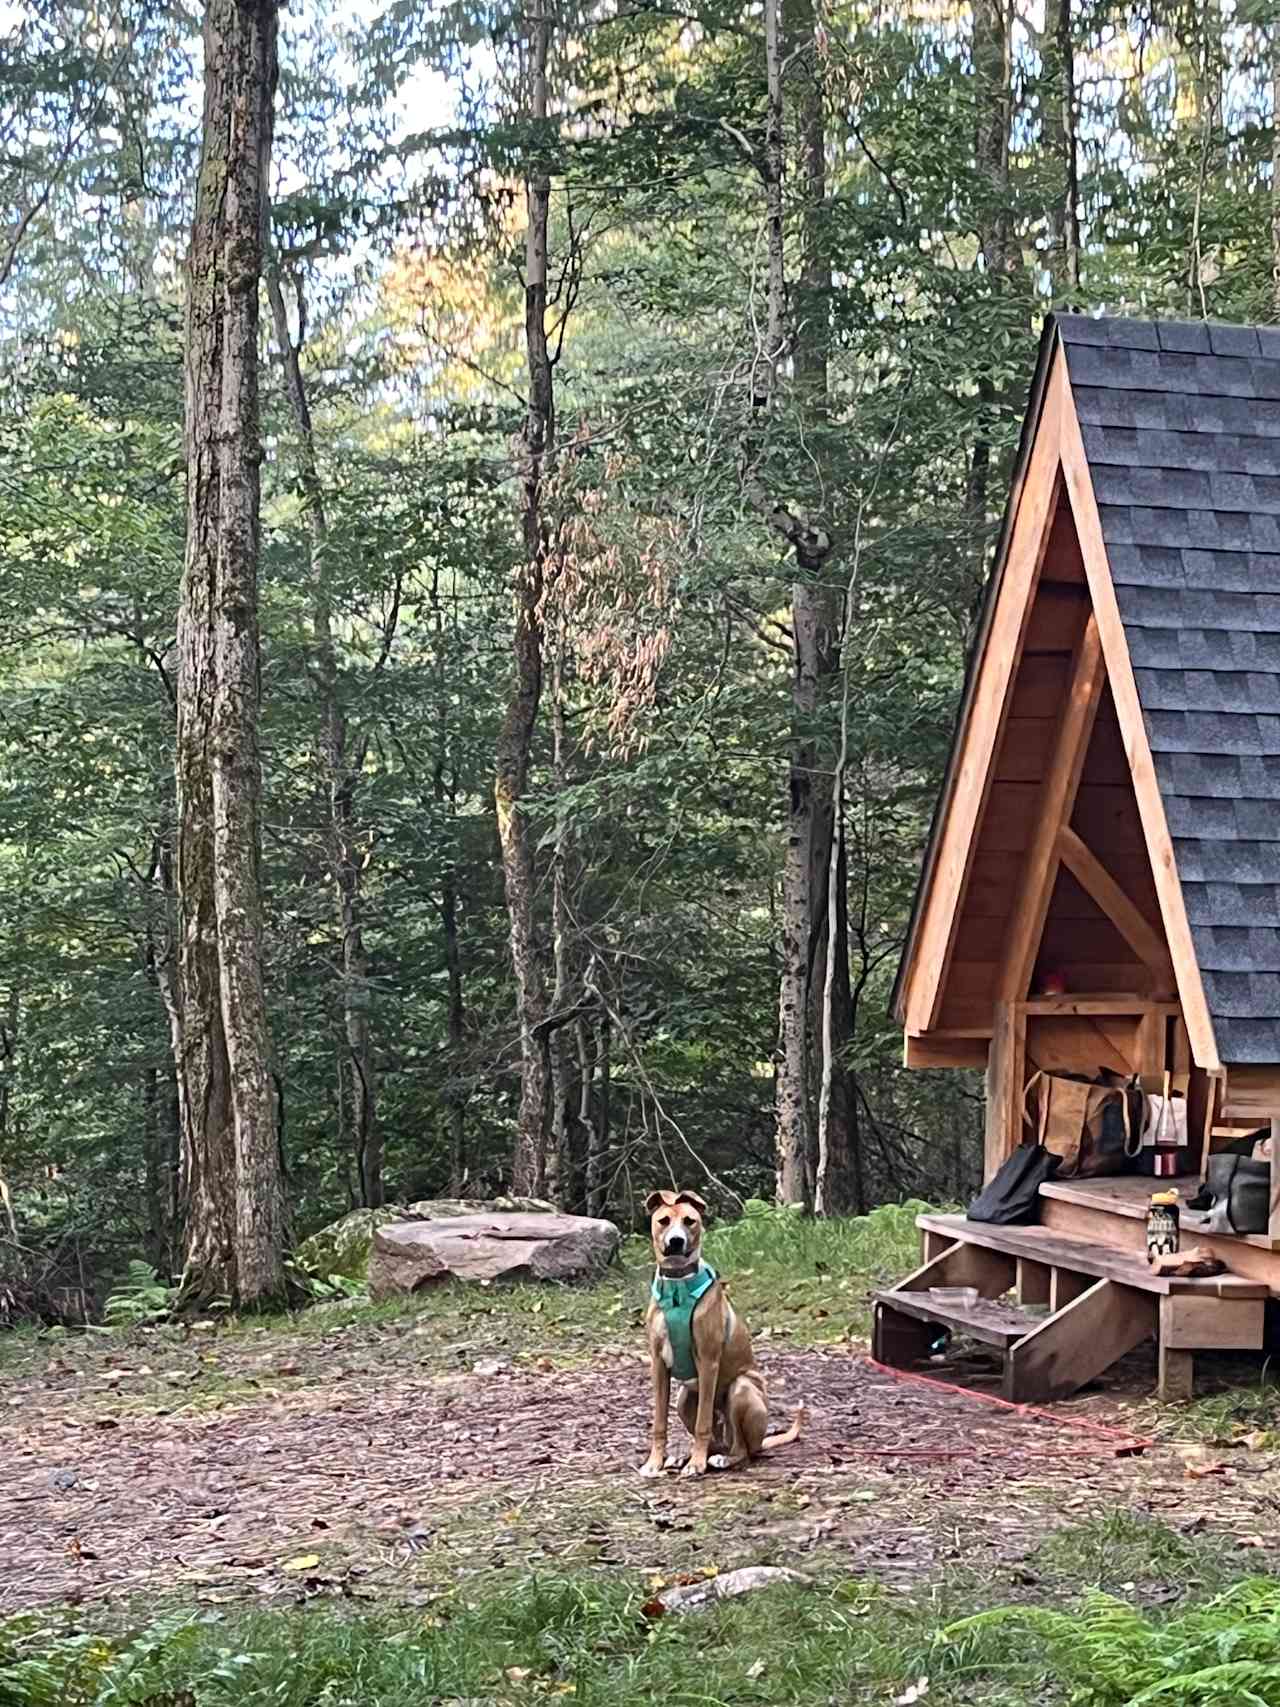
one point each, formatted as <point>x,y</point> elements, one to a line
<point>1067,1118</point>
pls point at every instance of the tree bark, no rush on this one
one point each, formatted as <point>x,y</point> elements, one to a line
<point>810,926</point>
<point>515,740</point>
<point>993,92</point>
<point>565,1081</point>
<point>235,1197</point>
<point>1070,150</point>
<point>340,770</point>
<point>597,1184</point>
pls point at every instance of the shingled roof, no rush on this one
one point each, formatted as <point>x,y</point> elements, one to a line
<point>1181,425</point>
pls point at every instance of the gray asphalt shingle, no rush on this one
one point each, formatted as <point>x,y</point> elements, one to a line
<point>1181,425</point>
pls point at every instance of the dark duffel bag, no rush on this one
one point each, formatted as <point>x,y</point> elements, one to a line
<point>1236,1193</point>
<point>1011,1197</point>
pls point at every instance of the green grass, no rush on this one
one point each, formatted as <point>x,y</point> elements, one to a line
<point>567,1639</point>
<point>1129,1552</point>
<point>592,1643</point>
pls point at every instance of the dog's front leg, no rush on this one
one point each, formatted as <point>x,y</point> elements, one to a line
<point>704,1422</point>
<point>652,1465</point>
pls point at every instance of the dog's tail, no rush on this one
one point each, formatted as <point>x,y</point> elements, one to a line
<point>799,1417</point>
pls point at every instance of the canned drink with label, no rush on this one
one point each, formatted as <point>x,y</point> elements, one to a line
<point>1163,1224</point>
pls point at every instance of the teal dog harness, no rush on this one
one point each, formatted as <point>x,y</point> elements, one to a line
<point>677,1299</point>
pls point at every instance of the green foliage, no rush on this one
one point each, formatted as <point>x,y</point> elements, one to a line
<point>1112,1654</point>
<point>142,1297</point>
<point>585,1639</point>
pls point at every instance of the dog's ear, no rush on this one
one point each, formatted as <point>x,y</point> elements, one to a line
<point>654,1202</point>
<point>692,1197</point>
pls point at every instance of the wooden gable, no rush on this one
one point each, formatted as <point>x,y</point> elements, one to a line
<point>1052,862</point>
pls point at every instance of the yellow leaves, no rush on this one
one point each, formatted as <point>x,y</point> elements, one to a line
<point>303,1562</point>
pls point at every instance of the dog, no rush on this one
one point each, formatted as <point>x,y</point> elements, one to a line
<point>696,1337</point>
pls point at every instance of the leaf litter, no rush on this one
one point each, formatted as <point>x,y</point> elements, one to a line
<point>379,1478</point>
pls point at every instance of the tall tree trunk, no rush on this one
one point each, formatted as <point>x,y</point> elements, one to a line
<point>815,608</point>
<point>455,1099</point>
<point>565,1081</point>
<point>1070,149</point>
<point>340,769</point>
<point>597,1184</point>
<point>993,93</point>
<point>235,1195</point>
<point>515,740</point>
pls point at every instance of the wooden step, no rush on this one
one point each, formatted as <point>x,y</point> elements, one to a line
<point>1102,1303</point>
<point>1082,1256</point>
<point>1000,1325</point>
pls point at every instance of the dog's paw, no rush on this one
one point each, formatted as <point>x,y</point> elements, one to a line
<point>649,1468</point>
<point>692,1469</point>
<point>676,1461</point>
<point>718,1461</point>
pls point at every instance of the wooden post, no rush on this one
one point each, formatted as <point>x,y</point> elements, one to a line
<point>1273,1220</point>
<point>1064,1285</point>
<point>1006,1076</point>
<point>1034,1281</point>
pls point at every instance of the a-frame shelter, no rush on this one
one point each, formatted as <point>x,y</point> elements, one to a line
<point>1101,887</point>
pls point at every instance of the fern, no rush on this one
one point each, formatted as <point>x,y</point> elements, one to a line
<point>1223,1654</point>
<point>141,1297</point>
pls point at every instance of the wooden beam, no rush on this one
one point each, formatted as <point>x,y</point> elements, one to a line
<point>944,1049</point>
<point>1124,692</point>
<point>1175,1375</point>
<point>1057,798</point>
<point>1064,1285</point>
<point>1084,1338</point>
<point>962,1264</point>
<point>979,740</point>
<point>1006,1077</point>
<point>1134,926</point>
<point>1033,1283</point>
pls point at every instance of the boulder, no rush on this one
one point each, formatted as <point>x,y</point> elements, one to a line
<point>343,1247</point>
<point>518,1245</point>
<point>437,1208</point>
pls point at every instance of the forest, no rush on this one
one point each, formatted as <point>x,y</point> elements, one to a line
<point>493,509</point>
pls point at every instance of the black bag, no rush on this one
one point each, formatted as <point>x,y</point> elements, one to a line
<point>1011,1198</point>
<point>1237,1194</point>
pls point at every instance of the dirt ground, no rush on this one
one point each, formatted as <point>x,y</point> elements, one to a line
<point>341,1466</point>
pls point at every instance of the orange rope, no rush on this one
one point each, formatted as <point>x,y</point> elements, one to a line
<point>1126,1445</point>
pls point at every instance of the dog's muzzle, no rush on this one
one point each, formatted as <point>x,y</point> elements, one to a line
<point>675,1245</point>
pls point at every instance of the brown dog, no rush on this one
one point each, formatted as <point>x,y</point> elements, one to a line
<point>696,1336</point>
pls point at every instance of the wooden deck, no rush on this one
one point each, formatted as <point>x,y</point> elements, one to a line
<point>1102,1298</point>
<point>1114,1211</point>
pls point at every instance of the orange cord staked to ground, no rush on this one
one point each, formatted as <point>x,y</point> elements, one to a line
<point>1124,1444</point>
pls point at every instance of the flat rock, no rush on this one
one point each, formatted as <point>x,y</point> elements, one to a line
<point>408,1255</point>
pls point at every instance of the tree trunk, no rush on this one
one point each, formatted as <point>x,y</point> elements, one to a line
<point>1275,171</point>
<point>565,1081</point>
<point>455,1099</point>
<point>815,608</point>
<point>774,162</point>
<point>340,772</point>
<point>1070,150</point>
<point>597,1184</point>
<point>992,76</point>
<point>515,740</point>
<point>235,1197</point>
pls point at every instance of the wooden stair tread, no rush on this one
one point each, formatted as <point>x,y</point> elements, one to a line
<point>1082,1256</point>
<point>1001,1325</point>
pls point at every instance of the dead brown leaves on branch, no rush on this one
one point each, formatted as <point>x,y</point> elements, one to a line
<point>612,590</point>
